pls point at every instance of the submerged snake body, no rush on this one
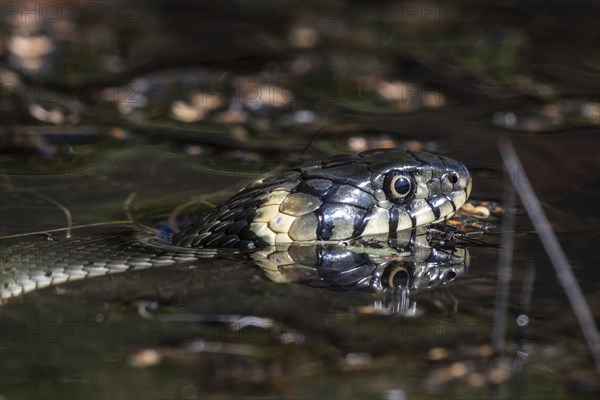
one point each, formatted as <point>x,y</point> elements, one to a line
<point>380,193</point>
<point>344,197</point>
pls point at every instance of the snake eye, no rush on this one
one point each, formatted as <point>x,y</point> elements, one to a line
<point>399,186</point>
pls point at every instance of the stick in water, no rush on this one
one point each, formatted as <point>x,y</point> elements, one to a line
<point>553,249</point>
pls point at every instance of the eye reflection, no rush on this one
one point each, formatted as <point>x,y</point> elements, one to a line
<point>400,279</point>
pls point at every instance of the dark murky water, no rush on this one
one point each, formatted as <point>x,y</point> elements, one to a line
<point>141,111</point>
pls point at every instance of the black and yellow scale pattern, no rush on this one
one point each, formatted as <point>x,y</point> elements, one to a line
<point>343,197</point>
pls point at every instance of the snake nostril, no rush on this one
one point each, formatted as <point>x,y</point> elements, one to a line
<point>453,177</point>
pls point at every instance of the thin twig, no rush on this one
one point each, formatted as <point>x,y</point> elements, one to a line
<point>504,267</point>
<point>555,253</point>
<point>66,229</point>
<point>63,208</point>
<point>312,138</point>
<point>172,219</point>
<point>127,206</point>
<point>523,320</point>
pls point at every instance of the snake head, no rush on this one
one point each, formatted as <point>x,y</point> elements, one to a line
<point>376,192</point>
<point>413,189</point>
<point>371,193</point>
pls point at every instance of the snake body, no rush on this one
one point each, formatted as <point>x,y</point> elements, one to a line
<point>291,217</point>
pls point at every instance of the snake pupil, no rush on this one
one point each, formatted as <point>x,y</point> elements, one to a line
<point>401,186</point>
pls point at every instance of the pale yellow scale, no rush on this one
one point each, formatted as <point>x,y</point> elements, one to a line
<point>284,217</point>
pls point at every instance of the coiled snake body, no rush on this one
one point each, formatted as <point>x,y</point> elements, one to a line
<point>343,198</point>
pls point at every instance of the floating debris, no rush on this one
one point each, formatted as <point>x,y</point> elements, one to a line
<point>145,358</point>
<point>476,211</point>
<point>550,117</point>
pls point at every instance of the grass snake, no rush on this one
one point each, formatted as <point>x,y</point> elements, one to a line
<point>300,225</point>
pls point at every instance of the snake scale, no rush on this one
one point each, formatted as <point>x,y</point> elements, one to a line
<point>376,193</point>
